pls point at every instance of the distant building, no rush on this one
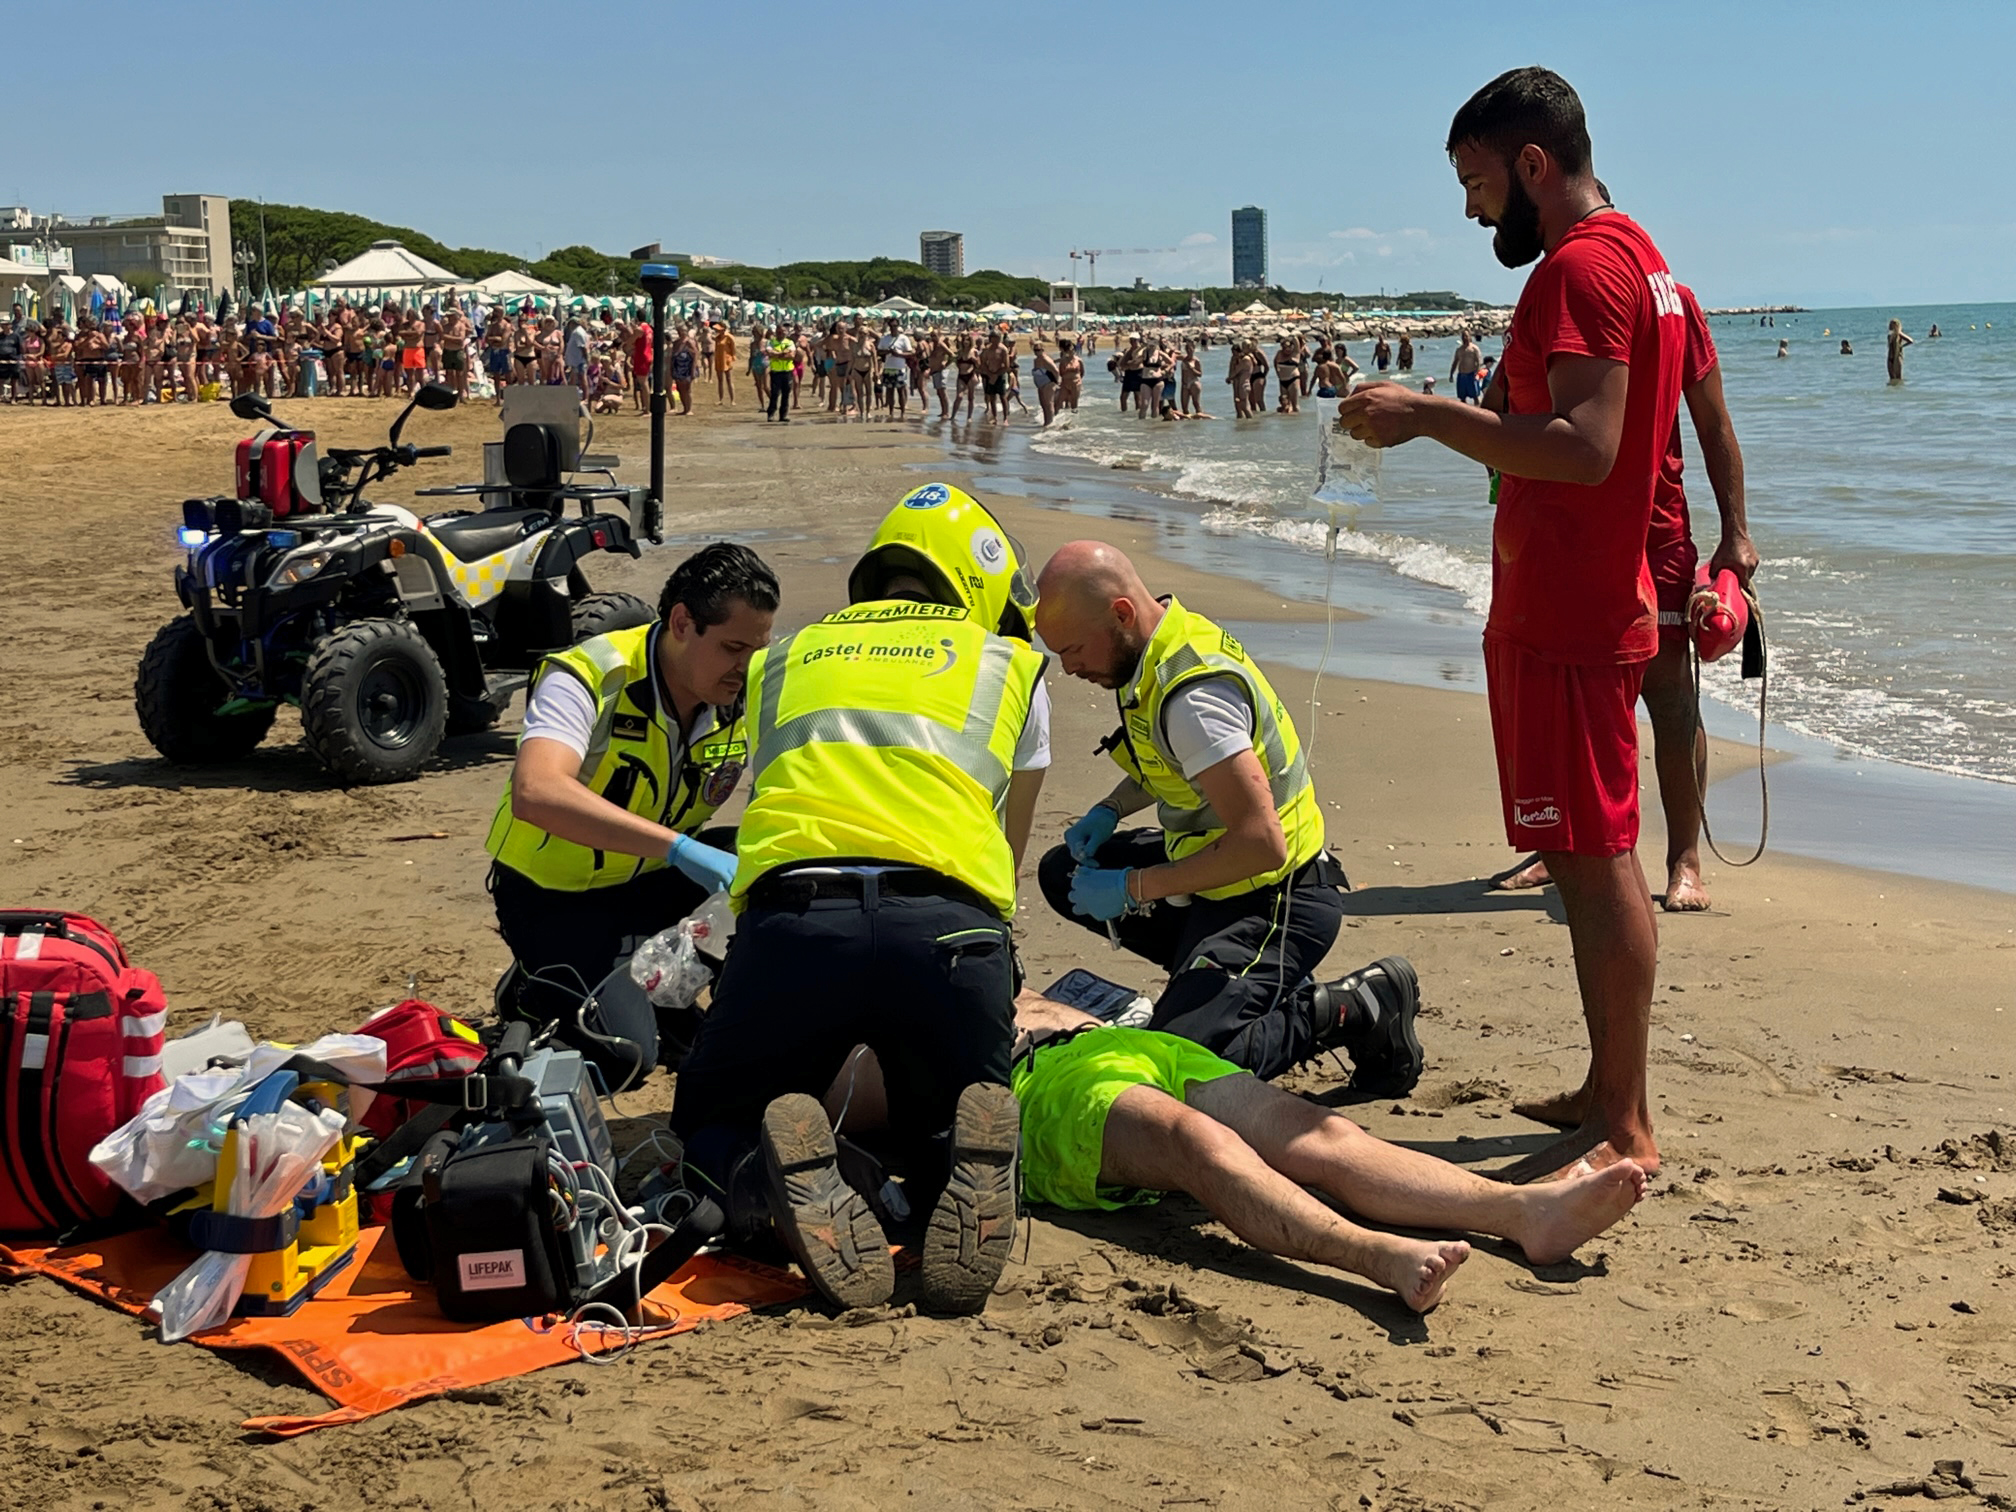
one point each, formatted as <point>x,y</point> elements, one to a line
<point>942,253</point>
<point>187,247</point>
<point>1249,248</point>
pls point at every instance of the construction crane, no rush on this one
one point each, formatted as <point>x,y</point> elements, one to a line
<point>1093,254</point>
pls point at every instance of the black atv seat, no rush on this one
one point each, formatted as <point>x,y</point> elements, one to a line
<point>473,537</point>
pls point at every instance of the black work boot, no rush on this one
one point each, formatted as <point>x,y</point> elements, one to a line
<point>828,1226</point>
<point>1370,1016</point>
<point>973,1225</point>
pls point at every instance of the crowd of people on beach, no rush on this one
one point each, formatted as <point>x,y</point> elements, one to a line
<point>350,351</point>
<point>856,367</point>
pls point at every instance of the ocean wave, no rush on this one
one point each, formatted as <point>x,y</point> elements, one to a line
<point>1424,561</point>
<point>1835,673</point>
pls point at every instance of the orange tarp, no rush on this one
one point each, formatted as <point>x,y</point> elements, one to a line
<point>372,1339</point>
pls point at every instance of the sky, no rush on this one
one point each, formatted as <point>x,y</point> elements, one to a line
<point>1844,154</point>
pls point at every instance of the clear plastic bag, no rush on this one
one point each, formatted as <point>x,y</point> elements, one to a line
<point>173,1141</point>
<point>671,967</point>
<point>202,1296</point>
<point>1347,473</point>
<point>278,1155</point>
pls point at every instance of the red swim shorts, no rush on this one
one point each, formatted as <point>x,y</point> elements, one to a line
<point>1672,563</point>
<point>1567,740</point>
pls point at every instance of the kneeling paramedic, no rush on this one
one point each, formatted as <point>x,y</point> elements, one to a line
<point>1234,895</point>
<point>632,740</point>
<point>897,749</point>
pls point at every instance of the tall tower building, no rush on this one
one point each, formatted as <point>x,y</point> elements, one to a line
<point>1249,248</point>
<point>942,253</point>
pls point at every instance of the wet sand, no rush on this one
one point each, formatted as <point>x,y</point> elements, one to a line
<point>1808,1305</point>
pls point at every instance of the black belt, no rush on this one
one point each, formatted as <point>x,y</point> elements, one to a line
<point>1325,870</point>
<point>798,889</point>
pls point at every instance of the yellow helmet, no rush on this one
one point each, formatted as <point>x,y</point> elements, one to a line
<point>949,540</point>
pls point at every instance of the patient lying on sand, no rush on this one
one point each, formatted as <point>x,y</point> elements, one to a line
<point>1117,1117</point>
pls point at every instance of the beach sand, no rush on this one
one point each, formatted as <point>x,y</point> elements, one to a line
<point>1794,1315</point>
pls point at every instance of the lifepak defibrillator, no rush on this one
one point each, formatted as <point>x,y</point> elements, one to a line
<point>514,1212</point>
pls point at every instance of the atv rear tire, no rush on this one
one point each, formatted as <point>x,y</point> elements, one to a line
<point>177,693</point>
<point>374,703</point>
<point>599,613</point>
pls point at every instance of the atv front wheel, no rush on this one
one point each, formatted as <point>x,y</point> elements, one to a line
<point>374,703</point>
<point>177,694</point>
<point>599,613</point>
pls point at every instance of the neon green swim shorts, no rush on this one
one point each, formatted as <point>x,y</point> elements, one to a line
<point>1066,1091</point>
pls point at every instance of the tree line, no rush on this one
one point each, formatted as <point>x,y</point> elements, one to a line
<point>299,241</point>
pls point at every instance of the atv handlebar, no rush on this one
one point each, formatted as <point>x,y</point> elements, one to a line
<point>356,468</point>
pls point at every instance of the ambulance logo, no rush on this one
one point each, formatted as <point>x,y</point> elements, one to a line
<point>951,657</point>
<point>930,496</point>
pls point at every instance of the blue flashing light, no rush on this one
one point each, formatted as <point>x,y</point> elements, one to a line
<point>286,540</point>
<point>658,270</point>
<point>191,536</point>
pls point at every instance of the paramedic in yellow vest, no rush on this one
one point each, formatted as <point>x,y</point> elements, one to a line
<point>896,751</point>
<point>1233,894</point>
<point>631,741</point>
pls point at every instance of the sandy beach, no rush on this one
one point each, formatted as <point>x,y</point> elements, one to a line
<point>1814,1302</point>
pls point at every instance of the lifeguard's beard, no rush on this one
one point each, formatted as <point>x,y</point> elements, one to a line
<point>1516,237</point>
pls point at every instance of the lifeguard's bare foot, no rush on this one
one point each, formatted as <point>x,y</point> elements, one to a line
<point>1564,1110</point>
<point>1685,892</point>
<point>1563,1215</point>
<point>1530,873</point>
<point>1416,1270</point>
<point>1583,1151</point>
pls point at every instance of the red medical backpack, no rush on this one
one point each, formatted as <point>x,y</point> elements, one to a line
<point>81,1030</point>
<point>422,1044</point>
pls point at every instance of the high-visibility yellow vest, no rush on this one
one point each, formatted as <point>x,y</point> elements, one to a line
<point>1187,648</point>
<point>886,732</point>
<point>783,356</point>
<point>633,760</point>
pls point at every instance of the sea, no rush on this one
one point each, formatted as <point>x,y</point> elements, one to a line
<point>1883,514</point>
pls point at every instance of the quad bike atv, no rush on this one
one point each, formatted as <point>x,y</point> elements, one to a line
<point>386,630</point>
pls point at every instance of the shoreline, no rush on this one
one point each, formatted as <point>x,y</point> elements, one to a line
<point>1831,802</point>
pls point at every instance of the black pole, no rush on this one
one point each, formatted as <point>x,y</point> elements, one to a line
<point>659,280</point>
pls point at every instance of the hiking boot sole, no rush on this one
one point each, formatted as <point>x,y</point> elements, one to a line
<point>828,1227</point>
<point>972,1228</point>
<point>1398,1069</point>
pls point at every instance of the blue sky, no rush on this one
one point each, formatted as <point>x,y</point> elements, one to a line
<point>1837,154</point>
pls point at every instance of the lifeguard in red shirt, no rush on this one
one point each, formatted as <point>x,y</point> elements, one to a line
<point>1592,374</point>
<point>1679,744</point>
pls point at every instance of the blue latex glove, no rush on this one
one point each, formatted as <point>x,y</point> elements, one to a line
<point>1100,891</point>
<point>712,869</point>
<point>1085,837</point>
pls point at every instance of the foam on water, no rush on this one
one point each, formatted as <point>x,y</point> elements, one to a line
<point>1882,514</point>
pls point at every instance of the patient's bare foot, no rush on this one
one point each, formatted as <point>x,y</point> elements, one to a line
<point>1559,1216</point>
<point>1414,1268</point>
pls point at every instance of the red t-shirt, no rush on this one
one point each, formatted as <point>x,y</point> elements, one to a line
<point>640,351</point>
<point>1669,496</point>
<point>1569,581</point>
